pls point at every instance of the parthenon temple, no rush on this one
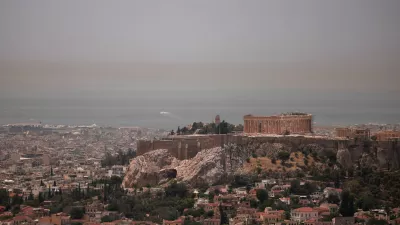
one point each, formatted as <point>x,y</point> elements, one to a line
<point>291,123</point>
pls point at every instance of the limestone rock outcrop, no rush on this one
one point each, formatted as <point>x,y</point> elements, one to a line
<point>165,175</point>
<point>368,160</point>
<point>157,167</point>
<point>382,156</point>
<point>145,169</point>
<point>208,166</point>
<point>269,150</point>
<point>343,157</point>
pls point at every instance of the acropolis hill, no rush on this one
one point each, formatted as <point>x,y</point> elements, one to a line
<point>290,129</point>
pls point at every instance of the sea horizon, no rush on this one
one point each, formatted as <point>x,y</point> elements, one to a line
<point>143,110</point>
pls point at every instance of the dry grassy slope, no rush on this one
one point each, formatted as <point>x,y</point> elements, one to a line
<point>266,164</point>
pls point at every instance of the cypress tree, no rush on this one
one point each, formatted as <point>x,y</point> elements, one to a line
<point>49,194</point>
<point>347,208</point>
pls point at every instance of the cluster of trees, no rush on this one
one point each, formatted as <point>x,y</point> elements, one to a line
<point>210,128</point>
<point>164,205</point>
<point>365,187</point>
<point>375,188</point>
<point>199,212</point>
<point>283,156</point>
<point>77,213</point>
<point>10,203</point>
<point>306,189</point>
<point>121,158</point>
<point>159,206</point>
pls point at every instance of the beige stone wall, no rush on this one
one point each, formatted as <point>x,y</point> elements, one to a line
<point>183,147</point>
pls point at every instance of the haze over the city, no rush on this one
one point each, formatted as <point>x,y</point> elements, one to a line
<point>122,62</point>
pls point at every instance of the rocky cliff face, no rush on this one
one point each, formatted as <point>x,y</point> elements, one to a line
<point>343,157</point>
<point>216,165</point>
<point>147,169</point>
<point>209,166</point>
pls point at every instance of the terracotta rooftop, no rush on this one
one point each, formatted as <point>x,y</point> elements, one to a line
<point>304,209</point>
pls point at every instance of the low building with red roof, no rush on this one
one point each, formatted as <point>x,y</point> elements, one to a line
<point>174,222</point>
<point>22,220</point>
<point>303,214</point>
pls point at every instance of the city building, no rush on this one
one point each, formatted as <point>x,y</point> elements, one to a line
<point>303,214</point>
<point>117,170</point>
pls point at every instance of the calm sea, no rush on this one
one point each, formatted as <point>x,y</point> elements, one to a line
<point>143,109</point>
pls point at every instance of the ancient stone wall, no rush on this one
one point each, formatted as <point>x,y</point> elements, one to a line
<point>296,142</point>
<point>183,147</point>
<point>162,144</point>
<point>143,147</point>
<point>186,147</point>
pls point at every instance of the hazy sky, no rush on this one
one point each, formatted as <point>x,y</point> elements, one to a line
<point>117,45</point>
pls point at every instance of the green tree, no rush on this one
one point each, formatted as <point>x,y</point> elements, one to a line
<point>210,214</point>
<point>76,213</point>
<point>374,221</point>
<point>49,194</point>
<point>294,200</point>
<point>366,202</point>
<point>191,222</point>
<point>347,208</point>
<point>224,217</point>
<point>211,197</point>
<point>106,219</point>
<point>283,155</point>
<point>333,199</point>
<point>41,198</point>
<point>287,215</point>
<point>184,130</point>
<point>31,197</point>
<point>305,161</point>
<point>262,195</point>
<point>176,190</point>
<point>15,210</point>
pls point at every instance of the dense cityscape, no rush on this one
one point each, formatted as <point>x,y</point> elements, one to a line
<point>199,112</point>
<point>102,175</point>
